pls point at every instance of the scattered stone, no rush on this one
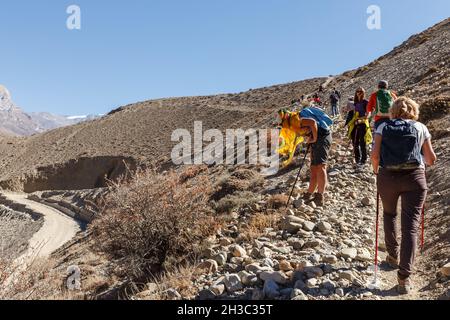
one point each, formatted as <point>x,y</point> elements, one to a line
<point>329,285</point>
<point>363,255</point>
<point>237,260</point>
<point>255,268</point>
<point>297,294</point>
<point>346,275</point>
<point>297,244</point>
<point>311,283</point>
<point>277,276</point>
<point>206,294</point>
<point>323,226</point>
<point>314,243</point>
<point>233,283</point>
<point>172,294</point>
<point>308,226</point>
<point>267,262</point>
<point>218,289</point>
<point>265,252</point>
<point>225,242</point>
<point>313,272</point>
<point>445,270</point>
<point>331,259</point>
<point>210,266</point>
<point>238,251</point>
<point>221,259</point>
<point>291,224</point>
<point>298,203</point>
<point>349,253</point>
<point>248,279</point>
<point>366,201</point>
<point>340,292</point>
<point>285,266</point>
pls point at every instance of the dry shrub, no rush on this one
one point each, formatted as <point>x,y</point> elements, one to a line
<point>277,201</point>
<point>238,181</point>
<point>17,281</point>
<point>154,221</point>
<point>236,201</point>
<point>192,172</point>
<point>258,224</point>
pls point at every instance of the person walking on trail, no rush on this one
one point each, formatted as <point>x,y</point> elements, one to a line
<point>398,161</point>
<point>359,128</point>
<point>316,99</point>
<point>319,125</point>
<point>334,101</point>
<point>380,103</point>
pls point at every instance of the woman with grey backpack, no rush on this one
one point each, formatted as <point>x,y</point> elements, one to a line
<point>401,151</point>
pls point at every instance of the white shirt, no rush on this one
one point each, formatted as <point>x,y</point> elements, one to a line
<point>422,130</point>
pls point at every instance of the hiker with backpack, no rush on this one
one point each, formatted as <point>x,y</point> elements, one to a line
<point>319,125</point>
<point>380,103</point>
<point>334,100</point>
<point>401,151</point>
<point>359,128</point>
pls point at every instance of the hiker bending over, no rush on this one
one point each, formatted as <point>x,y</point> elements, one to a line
<point>318,123</point>
<point>380,103</point>
<point>399,145</point>
<point>359,128</point>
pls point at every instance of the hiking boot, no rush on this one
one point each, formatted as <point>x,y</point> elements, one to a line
<point>308,197</point>
<point>404,286</point>
<point>319,199</point>
<point>392,262</point>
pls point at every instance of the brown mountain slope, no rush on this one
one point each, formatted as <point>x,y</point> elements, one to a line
<point>140,133</point>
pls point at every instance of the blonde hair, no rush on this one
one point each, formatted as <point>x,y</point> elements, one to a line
<point>405,108</point>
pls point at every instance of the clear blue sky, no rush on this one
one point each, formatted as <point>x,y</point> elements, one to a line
<point>129,51</point>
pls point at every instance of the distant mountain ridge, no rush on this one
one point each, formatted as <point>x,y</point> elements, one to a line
<point>15,121</point>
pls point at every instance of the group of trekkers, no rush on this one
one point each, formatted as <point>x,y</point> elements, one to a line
<point>401,149</point>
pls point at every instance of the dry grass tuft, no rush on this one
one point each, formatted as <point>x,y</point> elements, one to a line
<point>258,225</point>
<point>277,201</point>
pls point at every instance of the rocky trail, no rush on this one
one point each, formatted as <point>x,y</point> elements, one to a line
<point>314,253</point>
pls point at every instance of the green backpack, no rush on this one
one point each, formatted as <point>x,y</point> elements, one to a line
<point>384,102</point>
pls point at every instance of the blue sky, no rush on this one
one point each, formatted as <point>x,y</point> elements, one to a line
<point>129,51</point>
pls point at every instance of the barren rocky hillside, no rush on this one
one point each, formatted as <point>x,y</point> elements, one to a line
<point>141,132</point>
<point>261,250</point>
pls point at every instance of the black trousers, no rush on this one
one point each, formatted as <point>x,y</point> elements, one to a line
<point>359,143</point>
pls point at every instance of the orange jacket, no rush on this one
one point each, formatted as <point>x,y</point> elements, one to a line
<point>372,106</point>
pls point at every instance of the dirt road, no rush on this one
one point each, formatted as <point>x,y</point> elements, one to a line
<point>57,229</point>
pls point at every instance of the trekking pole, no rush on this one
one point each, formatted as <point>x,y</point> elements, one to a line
<point>422,245</point>
<point>422,238</point>
<point>375,283</point>
<point>377,235</point>
<point>298,176</point>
